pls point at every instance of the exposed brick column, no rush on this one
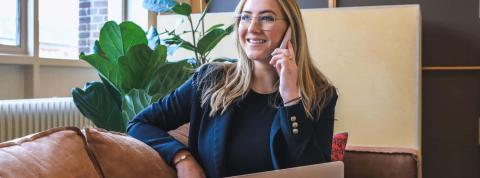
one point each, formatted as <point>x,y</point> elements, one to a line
<point>92,15</point>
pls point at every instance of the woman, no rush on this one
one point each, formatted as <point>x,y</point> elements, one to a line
<point>273,109</point>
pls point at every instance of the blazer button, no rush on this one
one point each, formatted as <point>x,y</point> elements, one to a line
<point>295,131</point>
<point>295,124</point>
<point>293,118</point>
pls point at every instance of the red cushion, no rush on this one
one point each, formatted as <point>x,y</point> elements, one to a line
<point>339,142</point>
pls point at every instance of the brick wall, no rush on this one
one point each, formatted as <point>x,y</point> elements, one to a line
<point>92,15</point>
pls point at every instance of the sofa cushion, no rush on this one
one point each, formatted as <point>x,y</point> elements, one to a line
<point>379,162</point>
<point>122,156</point>
<point>58,152</point>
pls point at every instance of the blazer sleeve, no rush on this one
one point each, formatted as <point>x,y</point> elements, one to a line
<point>152,124</point>
<point>311,142</point>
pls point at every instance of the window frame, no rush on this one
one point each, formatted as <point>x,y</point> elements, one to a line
<point>27,52</point>
<point>22,37</point>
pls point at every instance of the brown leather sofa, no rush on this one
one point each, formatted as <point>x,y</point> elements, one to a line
<point>71,152</point>
<point>378,162</point>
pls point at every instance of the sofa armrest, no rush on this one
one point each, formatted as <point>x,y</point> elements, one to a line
<point>379,162</point>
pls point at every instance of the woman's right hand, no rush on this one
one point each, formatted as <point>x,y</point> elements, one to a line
<point>189,168</point>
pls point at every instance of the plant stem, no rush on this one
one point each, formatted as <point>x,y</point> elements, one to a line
<point>203,27</point>
<point>194,40</point>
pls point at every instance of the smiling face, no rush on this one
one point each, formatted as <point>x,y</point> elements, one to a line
<point>256,40</point>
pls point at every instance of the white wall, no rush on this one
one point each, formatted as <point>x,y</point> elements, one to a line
<point>372,54</point>
<point>59,81</point>
<point>11,82</point>
<point>53,81</point>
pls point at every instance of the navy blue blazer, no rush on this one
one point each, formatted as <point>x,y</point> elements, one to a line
<point>207,135</point>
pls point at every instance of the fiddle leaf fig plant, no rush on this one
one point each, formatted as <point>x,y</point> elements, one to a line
<point>134,69</point>
<point>130,73</point>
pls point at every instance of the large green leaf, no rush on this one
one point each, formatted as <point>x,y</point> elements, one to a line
<point>132,67</point>
<point>139,66</point>
<point>97,104</point>
<point>111,41</point>
<point>113,91</point>
<point>158,58</point>
<point>132,35</point>
<point>212,38</point>
<point>169,77</point>
<point>116,40</point>
<point>106,68</point>
<point>133,70</point>
<point>182,9</point>
<point>135,101</point>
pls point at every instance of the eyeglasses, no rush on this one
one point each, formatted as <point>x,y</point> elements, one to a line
<point>267,22</point>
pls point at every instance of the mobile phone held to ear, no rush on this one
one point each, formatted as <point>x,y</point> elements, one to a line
<point>286,38</point>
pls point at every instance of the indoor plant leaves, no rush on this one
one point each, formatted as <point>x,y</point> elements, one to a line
<point>97,104</point>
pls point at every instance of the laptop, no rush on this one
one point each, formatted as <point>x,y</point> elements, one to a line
<point>324,170</point>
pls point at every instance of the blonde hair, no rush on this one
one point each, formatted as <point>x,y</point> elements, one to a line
<point>223,84</point>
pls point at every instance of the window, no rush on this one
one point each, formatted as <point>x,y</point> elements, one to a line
<point>12,26</point>
<point>9,23</point>
<point>58,28</point>
<point>65,27</point>
<point>74,26</point>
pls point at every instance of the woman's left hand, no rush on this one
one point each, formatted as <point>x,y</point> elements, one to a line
<point>283,60</point>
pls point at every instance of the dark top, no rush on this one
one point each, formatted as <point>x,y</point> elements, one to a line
<point>250,129</point>
<point>208,136</point>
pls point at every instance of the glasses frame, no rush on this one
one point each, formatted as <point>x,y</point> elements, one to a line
<point>239,21</point>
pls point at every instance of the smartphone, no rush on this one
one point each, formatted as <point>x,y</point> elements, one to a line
<point>286,38</point>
